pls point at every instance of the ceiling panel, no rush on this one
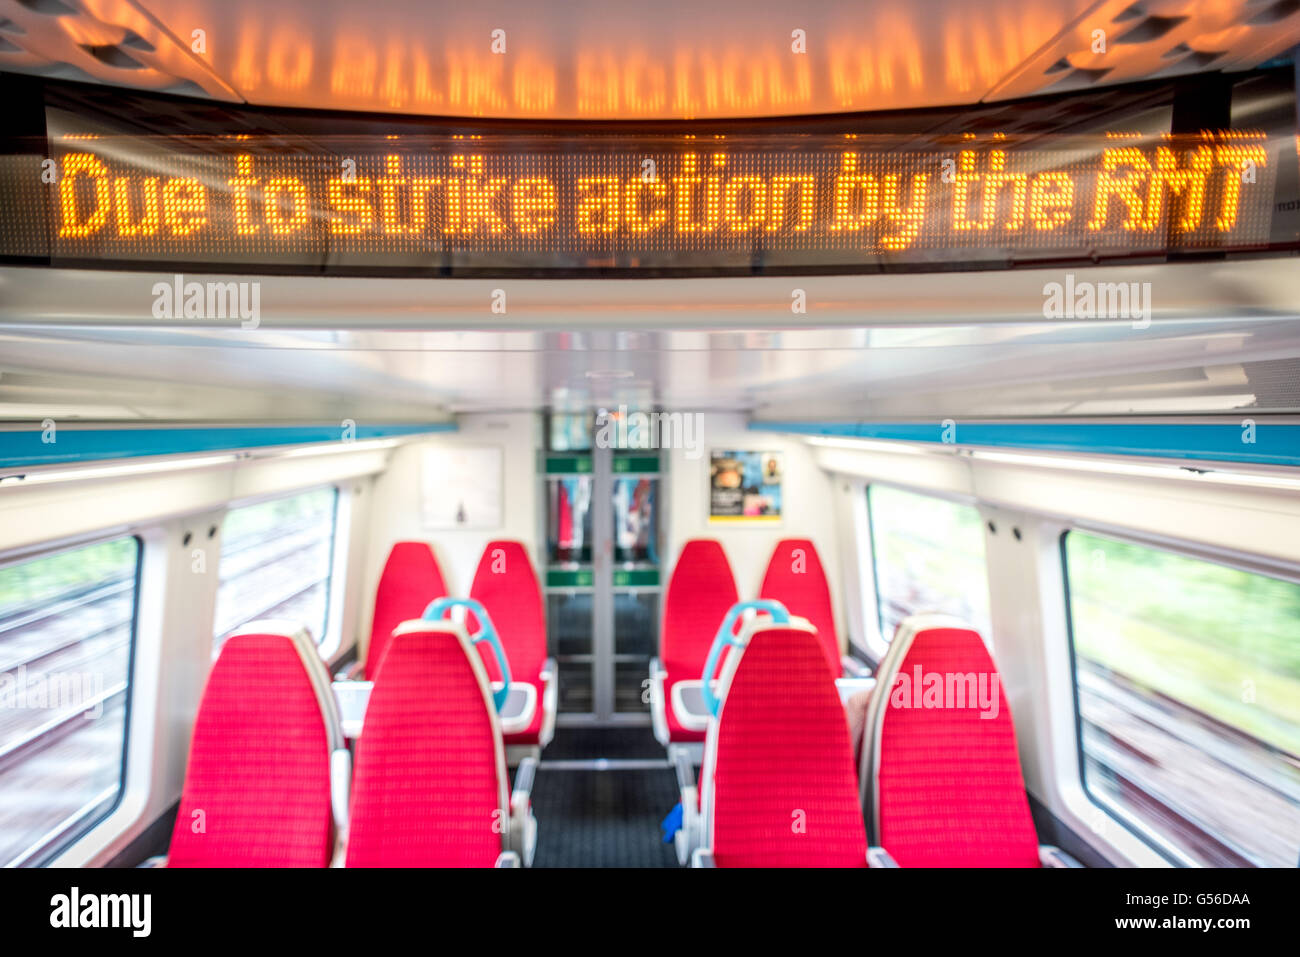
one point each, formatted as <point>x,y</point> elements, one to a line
<point>1223,336</point>
<point>1044,369</point>
<point>1121,41</point>
<point>596,59</point>
<point>102,41</point>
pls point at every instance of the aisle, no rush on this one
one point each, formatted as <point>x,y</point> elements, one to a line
<point>599,797</point>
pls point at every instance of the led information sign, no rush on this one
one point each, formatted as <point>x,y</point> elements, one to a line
<point>618,202</point>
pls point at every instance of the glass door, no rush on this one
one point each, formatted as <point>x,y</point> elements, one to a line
<point>602,577</point>
<point>569,486</point>
<point>635,576</point>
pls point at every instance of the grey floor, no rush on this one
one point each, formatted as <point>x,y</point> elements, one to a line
<point>606,816</point>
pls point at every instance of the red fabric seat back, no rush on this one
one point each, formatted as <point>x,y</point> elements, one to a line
<point>428,786</point>
<point>257,787</point>
<point>796,579</point>
<point>784,793</point>
<point>506,584</point>
<point>410,580</point>
<point>701,591</point>
<point>949,790</point>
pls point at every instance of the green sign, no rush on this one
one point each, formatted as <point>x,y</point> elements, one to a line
<point>636,577</point>
<point>568,578</point>
<point>568,464</point>
<point>636,463</point>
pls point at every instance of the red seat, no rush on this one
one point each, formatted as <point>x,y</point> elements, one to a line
<point>507,586</point>
<point>430,782</point>
<point>258,784</point>
<point>796,579</point>
<point>410,580</point>
<point>777,787</point>
<point>941,779</point>
<point>701,591</point>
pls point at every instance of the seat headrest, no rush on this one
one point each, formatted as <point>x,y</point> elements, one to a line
<point>796,578</point>
<point>410,580</point>
<point>506,583</point>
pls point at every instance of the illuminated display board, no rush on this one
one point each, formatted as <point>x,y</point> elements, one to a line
<point>611,201</point>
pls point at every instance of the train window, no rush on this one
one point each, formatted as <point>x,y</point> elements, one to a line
<point>929,557</point>
<point>276,562</point>
<point>569,432</point>
<point>1187,678</point>
<point>67,624</point>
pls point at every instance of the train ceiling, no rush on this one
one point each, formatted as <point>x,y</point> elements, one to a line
<point>598,60</point>
<point>1026,370</point>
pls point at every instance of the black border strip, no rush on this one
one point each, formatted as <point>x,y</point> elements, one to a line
<point>929,121</point>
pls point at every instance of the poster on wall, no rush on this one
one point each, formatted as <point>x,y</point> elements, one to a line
<point>745,486</point>
<point>460,487</point>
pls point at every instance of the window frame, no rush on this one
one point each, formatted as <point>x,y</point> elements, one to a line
<point>59,839</point>
<point>1168,851</point>
<point>881,640</point>
<point>324,646</point>
<point>878,635</point>
<point>857,555</point>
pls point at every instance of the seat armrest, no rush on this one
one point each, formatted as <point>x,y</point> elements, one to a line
<point>854,668</point>
<point>703,857</point>
<point>522,835</point>
<point>1051,856</point>
<point>684,770</point>
<point>352,672</point>
<point>507,859</point>
<point>691,833</point>
<point>340,800</point>
<point>525,774</point>
<point>550,702</point>
<point>879,857</point>
<point>658,703</point>
<point>520,706</point>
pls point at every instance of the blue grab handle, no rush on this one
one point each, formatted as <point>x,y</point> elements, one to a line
<point>487,632</point>
<point>724,637</point>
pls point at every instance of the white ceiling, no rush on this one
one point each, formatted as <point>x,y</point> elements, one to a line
<point>1223,336</point>
<point>615,59</point>
<point>80,344</point>
<point>1026,369</point>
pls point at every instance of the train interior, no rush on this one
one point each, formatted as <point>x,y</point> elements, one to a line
<point>724,554</point>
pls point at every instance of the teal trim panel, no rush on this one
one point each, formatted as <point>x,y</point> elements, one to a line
<point>65,444</point>
<point>1238,440</point>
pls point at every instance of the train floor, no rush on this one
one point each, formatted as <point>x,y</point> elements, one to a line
<point>599,797</point>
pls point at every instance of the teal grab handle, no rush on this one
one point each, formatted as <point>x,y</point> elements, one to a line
<point>724,637</point>
<point>488,632</point>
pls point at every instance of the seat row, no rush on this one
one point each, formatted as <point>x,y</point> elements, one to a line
<point>701,590</point>
<point>922,770</point>
<point>270,779</point>
<point>506,584</point>
<point>271,782</point>
<point>924,766</point>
